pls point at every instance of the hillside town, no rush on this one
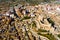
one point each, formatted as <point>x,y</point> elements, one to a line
<point>26,22</point>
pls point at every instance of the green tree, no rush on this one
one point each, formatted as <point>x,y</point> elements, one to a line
<point>46,0</point>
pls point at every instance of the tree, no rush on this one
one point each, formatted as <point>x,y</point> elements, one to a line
<point>46,0</point>
<point>13,0</point>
